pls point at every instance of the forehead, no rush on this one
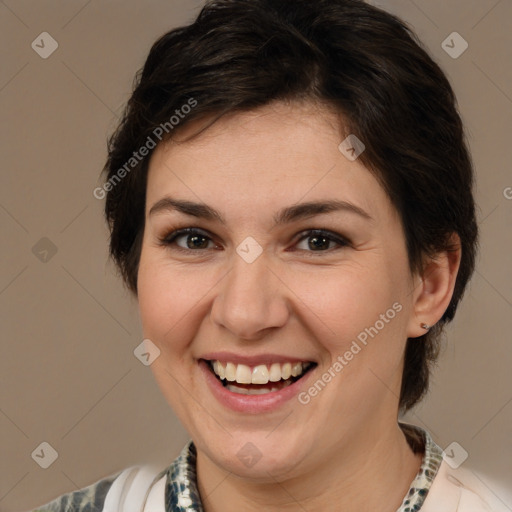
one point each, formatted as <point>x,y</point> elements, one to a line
<point>264,159</point>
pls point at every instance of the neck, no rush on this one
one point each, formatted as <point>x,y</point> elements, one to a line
<point>386,465</point>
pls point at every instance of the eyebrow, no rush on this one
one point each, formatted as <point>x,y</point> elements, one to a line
<point>284,216</point>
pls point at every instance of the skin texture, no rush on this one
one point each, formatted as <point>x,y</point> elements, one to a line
<point>293,300</point>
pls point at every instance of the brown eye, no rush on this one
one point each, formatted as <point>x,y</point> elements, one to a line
<point>194,239</point>
<point>319,240</point>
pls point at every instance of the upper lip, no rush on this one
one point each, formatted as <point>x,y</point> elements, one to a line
<point>255,360</point>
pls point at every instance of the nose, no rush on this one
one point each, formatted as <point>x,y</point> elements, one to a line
<point>251,300</point>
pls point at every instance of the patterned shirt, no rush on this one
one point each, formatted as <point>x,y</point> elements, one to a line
<point>182,494</point>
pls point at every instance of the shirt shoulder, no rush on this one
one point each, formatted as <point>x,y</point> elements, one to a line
<point>88,499</point>
<point>464,490</point>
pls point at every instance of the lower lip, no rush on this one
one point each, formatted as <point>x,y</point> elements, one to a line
<point>252,403</point>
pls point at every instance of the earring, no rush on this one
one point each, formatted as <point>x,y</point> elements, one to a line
<point>425,326</point>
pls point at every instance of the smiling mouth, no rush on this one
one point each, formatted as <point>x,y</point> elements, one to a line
<point>260,379</point>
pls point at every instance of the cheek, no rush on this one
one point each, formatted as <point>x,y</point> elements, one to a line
<point>348,299</point>
<point>361,314</point>
<point>169,301</point>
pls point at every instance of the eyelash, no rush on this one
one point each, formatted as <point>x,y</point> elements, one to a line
<point>169,240</point>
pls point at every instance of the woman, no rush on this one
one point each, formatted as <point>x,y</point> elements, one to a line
<point>289,196</point>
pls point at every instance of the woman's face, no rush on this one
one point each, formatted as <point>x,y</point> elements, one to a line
<point>250,287</point>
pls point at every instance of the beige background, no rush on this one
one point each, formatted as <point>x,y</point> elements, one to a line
<point>68,373</point>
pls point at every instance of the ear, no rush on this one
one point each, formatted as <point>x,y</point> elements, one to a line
<point>433,288</point>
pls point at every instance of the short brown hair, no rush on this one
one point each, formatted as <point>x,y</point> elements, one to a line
<point>367,65</point>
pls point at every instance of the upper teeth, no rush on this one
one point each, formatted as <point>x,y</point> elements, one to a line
<point>260,374</point>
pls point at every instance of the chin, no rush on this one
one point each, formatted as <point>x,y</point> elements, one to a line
<point>256,456</point>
